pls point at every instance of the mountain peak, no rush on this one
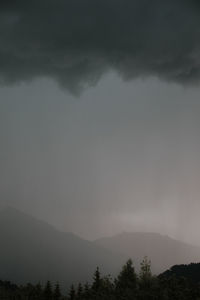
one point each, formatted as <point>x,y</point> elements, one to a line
<point>162,250</point>
<point>33,250</point>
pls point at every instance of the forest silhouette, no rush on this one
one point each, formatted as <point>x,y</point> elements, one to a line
<point>180,282</point>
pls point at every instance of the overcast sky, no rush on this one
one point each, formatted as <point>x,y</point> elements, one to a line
<point>99,114</point>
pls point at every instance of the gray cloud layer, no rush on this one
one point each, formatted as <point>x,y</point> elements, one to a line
<point>76,41</point>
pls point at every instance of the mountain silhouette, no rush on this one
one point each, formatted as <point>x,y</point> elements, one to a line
<point>32,250</point>
<point>163,251</point>
<point>190,272</point>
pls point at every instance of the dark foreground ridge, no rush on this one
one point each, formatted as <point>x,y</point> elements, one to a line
<point>190,272</point>
<point>180,282</point>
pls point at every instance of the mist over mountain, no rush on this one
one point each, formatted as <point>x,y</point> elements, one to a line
<point>100,144</point>
<point>32,251</point>
<point>163,251</point>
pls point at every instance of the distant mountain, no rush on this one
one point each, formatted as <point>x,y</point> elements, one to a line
<point>32,251</point>
<point>191,272</point>
<point>163,251</point>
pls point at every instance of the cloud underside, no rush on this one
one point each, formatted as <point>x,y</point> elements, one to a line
<point>76,41</point>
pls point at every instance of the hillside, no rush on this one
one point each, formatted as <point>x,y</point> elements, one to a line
<point>190,272</point>
<point>163,251</point>
<point>32,251</point>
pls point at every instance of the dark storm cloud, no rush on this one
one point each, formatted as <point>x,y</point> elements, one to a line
<point>76,41</point>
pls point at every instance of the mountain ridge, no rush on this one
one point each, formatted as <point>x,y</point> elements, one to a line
<point>33,250</point>
<point>163,251</point>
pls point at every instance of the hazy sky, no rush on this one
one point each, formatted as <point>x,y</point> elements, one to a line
<point>124,154</point>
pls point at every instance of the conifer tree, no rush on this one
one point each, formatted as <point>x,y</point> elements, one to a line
<point>38,291</point>
<point>57,293</point>
<point>79,291</point>
<point>86,292</point>
<point>148,284</point>
<point>96,280</point>
<point>107,288</point>
<point>145,269</point>
<point>48,291</point>
<point>126,281</point>
<point>72,293</point>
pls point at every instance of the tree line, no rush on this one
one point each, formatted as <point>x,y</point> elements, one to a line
<point>126,286</point>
